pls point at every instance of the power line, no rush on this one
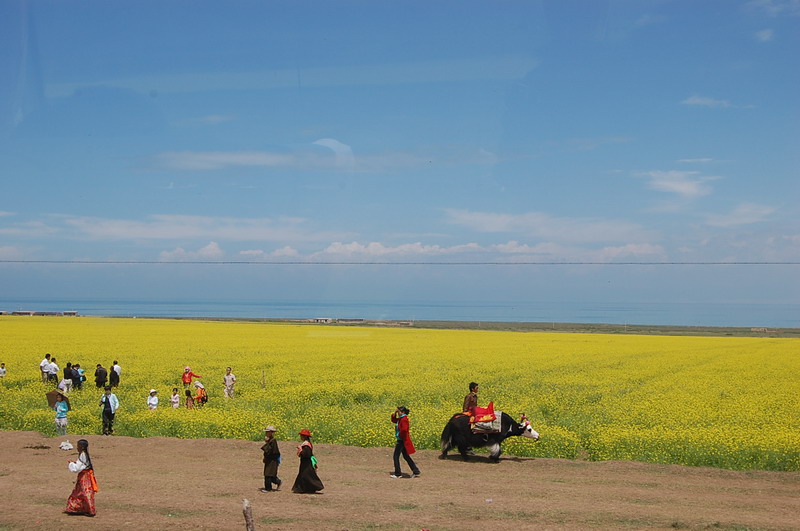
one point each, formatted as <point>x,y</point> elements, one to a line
<point>373,263</point>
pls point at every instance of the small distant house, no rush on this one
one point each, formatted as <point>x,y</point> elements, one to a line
<point>322,320</point>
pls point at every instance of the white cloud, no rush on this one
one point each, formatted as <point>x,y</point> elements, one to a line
<point>210,252</point>
<point>3,213</point>
<point>776,8</point>
<point>511,252</point>
<point>703,101</point>
<point>283,252</point>
<point>343,154</point>
<point>765,35</point>
<point>472,68</point>
<point>30,229</point>
<point>706,102</point>
<point>546,227</point>
<point>9,252</point>
<point>339,156</point>
<point>744,214</point>
<point>687,184</point>
<point>631,250</point>
<point>216,118</point>
<point>178,227</point>
<point>376,249</point>
<point>695,161</point>
<point>214,160</point>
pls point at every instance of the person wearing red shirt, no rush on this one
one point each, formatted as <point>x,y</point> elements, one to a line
<point>187,376</point>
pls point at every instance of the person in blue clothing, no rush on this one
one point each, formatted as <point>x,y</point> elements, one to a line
<point>110,404</point>
<point>61,406</point>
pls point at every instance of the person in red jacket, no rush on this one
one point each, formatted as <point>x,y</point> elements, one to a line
<point>187,376</point>
<point>404,446</point>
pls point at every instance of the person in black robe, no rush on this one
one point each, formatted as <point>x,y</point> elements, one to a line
<point>307,481</point>
<point>272,458</point>
<point>100,376</point>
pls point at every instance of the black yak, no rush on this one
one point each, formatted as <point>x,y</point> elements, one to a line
<point>457,434</point>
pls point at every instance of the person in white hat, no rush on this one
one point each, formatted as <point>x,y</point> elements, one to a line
<point>272,458</point>
<point>152,400</point>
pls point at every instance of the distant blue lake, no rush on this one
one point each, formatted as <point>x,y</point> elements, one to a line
<point>676,314</point>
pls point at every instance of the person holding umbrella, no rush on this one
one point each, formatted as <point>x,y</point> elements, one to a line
<point>60,403</point>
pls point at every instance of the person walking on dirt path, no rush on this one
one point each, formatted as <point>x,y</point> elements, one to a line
<point>403,446</point>
<point>81,501</point>
<point>307,480</point>
<point>272,459</point>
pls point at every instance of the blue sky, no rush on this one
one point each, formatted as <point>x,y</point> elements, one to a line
<point>396,132</point>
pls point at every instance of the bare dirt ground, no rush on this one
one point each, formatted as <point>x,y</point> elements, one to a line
<point>163,483</point>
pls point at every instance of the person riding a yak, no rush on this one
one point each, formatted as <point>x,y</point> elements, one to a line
<point>471,400</point>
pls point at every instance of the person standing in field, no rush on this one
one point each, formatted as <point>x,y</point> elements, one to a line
<point>100,376</point>
<point>2,370</point>
<point>61,407</point>
<point>201,398</point>
<point>81,501</point>
<point>114,374</point>
<point>307,481</point>
<point>43,367</point>
<point>110,404</point>
<point>52,372</point>
<point>403,446</point>
<point>272,459</point>
<point>229,380</point>
<point>189,399</point>
<point>152,400</point>
<point>77,376</point>
<point>175,399</point>
<point>187,376</point>
<point>66,381</point>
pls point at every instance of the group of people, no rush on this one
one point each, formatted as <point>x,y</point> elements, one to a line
<point>72,375</point>
<point>107,379</point>
<point>81,501</point>
<point>307,480</point>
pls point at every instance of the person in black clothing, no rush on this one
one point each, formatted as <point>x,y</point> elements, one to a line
<point>113,375</point>
<point>77,378</point>
<point>100,376</point>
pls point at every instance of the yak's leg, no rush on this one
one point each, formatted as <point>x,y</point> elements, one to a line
<point>494,452</point>
<point>461,443</point>
<point>446,446</point>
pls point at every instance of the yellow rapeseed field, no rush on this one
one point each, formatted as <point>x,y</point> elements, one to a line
<point>723,402</point>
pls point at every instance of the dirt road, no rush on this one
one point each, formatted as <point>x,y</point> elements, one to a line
<point>163,483</point>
